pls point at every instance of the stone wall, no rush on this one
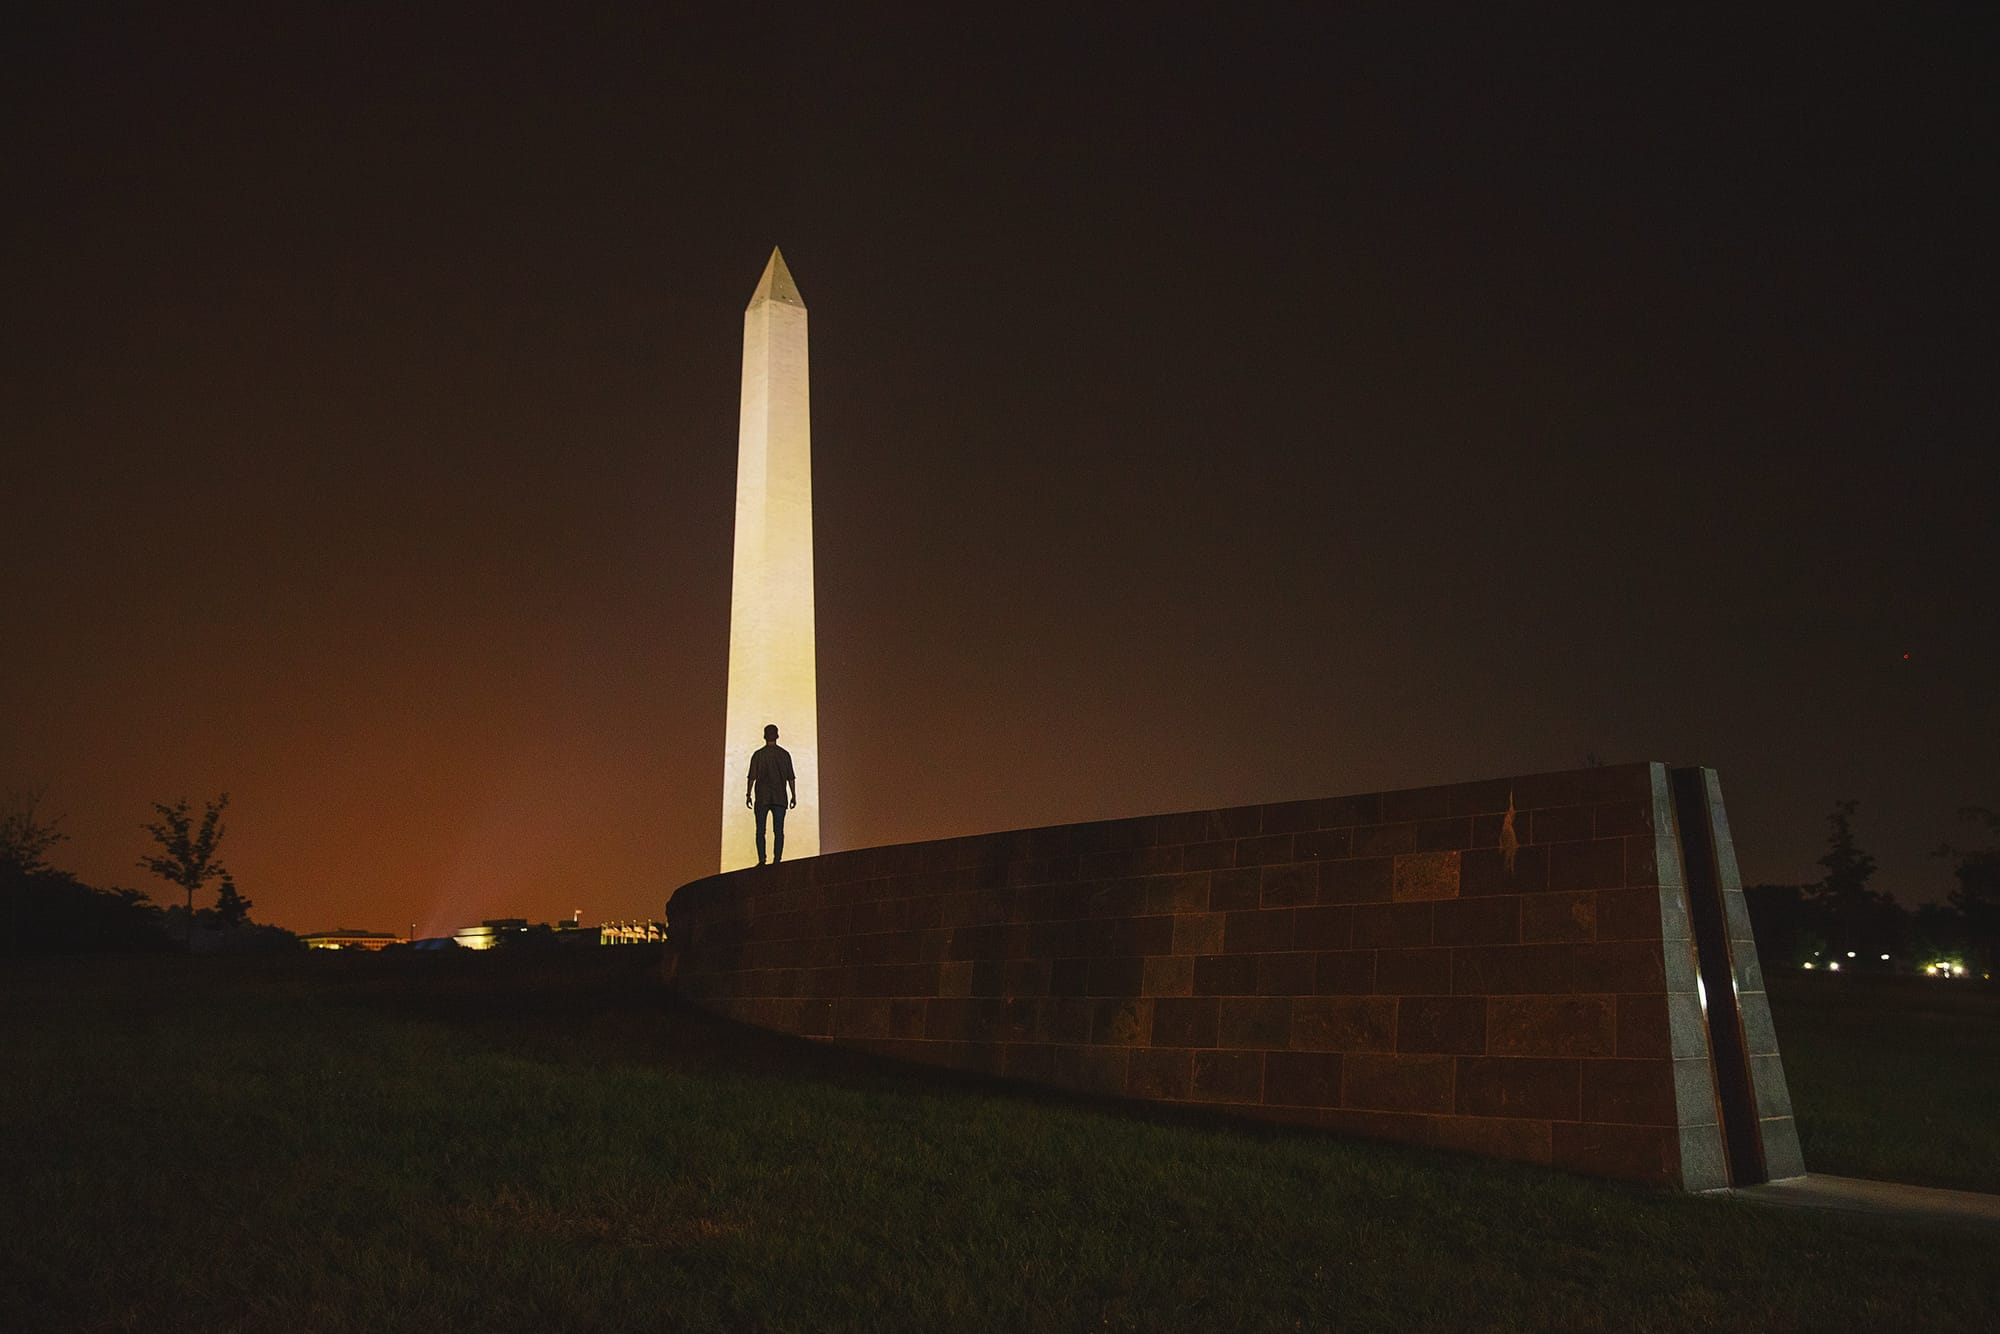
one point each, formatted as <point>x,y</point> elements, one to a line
<point>1501,967</point>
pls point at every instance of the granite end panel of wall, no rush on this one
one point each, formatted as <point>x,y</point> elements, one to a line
<point>1499,967</point>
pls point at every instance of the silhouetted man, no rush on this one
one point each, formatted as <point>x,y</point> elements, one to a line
<point>765,793</point>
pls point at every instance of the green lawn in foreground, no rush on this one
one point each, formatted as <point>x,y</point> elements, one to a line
<point>476,1143</point>
<point>1894,1077</point>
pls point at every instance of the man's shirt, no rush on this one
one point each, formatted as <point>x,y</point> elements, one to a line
<point>770,770</point>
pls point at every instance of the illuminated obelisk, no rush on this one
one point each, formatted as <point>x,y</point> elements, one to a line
<point>771,658</point>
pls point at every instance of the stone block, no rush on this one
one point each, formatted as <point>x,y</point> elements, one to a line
<point>1019,1020</point>
<point>1289,974</point>
<point>1235,890</point>
<point>1167,975</point>
<point>1254,1021</point>
<point>1498,970</point>
<point>1349,972</point>
<point>816,1018</point>
<point>1760,1035</point>
<point>1225,975</point>
<point>1628,914</point>
<point>1165,1074</point>
<point>1116,977</point>
<point>1384,840</point>
<point>1774,1095</point>
<point>1397,1083</point>
<point>1289,885</point>
<point>1553,918</point>
<point>955,1020</point>
<point>1642,1027</point>
<point>1392,925</point>
<point>1453,1025</point>
<point>1591,864</point>
<point>1323,928</point>
<point>1582,1026</point>
<point>1209,856</point>
<point>1122,1022</point>
<point>1425,875</point>
<point>1027,977</point>
<point>1560,824</point>
<point>1695,1102</point>
<point>1679,966</point>
<point>1264,850</point>
<point>1629,1092</point>
<point>1344,1023</point>
<point>1489,871</point>
<point>1495,920</point>
<point>1633,965</point>
<point>1704,1165</point>
<point>1257,930</point>
<point>955,979</point>
<point>1302,1078</point>
<point>1198,933</point>
<point>1413,972</point>
<point>1687,1027</point>
<point>1448,835</point>
<point>1357,880</point>
<point>1177,893</point>
<point>1632,817</point>
<point>1519,1086</point>
<point>1228,1076</point>
<point>1185,1021</point>
<point>1782,1157</point>
<point>1322,845</point>
<point>1069,1019</point>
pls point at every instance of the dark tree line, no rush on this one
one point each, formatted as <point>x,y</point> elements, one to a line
<point>50,911</point>
<point>1840,919</point>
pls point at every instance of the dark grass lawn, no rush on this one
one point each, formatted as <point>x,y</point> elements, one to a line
<point>1895,1078</point>
<point>493,1144</point>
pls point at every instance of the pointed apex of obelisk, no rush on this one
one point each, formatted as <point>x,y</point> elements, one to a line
<point>777,284</point>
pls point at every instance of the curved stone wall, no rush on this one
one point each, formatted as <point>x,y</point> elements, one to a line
<point>1501,967</point>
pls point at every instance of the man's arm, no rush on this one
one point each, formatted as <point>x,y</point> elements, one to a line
<point>750,784</point>
<point>793,783</point>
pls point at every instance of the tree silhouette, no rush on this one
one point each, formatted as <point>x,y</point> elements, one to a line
<point>1977,897</point>
<point>187,856</point>
<point>231,908</point>
<point>25,838</point>
<point>1856,916</point>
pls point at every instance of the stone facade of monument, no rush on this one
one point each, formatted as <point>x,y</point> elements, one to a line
<point>1506,968</point>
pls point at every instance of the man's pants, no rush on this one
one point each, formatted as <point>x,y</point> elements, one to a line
<point>776,810</point>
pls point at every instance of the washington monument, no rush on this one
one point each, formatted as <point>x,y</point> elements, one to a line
<point>772,672</point>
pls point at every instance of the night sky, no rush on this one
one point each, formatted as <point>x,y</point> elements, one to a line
<point>1209,407</point>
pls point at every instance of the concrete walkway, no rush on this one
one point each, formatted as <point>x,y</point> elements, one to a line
<point>1889,1199</point>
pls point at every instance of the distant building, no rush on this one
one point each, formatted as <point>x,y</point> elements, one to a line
<point>487,934</point>
<point>491,932</point>
<point>632,933</point>
<point>345,939</point>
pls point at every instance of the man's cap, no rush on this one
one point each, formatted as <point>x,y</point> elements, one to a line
<point>770,729</point>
